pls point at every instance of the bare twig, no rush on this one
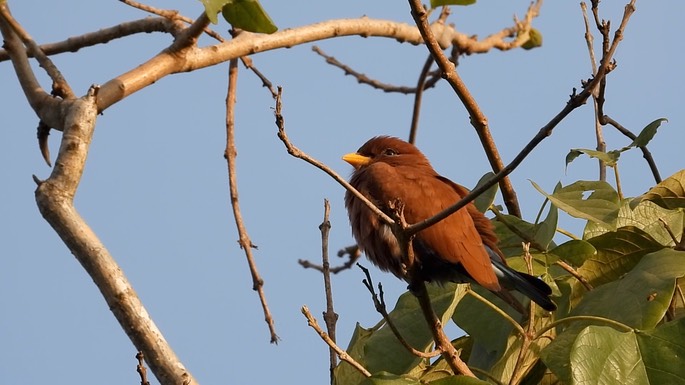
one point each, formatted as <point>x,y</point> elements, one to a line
<point>597,98</point>
<point>297,153</point>
<point>363,79</point>
<point>140,368</point>
<point>517,372</point>
<point>574,273</point>
<point>497,310</point>
<point>60,86</point>
<point>352,251</point>
<point>605,119</point>
<point>104,35</point>
<point>244,241</point>
<point>420,86</point>
<point>341,353</point>
<point>329,316</point>
<point>379,304</point>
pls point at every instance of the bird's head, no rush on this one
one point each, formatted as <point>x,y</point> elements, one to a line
<point>386,149</point>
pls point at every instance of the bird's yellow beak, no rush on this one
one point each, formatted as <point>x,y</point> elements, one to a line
<point>356,160</point>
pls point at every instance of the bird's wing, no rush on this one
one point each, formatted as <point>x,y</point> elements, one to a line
<point>456,239</point>
<point>482,223</point>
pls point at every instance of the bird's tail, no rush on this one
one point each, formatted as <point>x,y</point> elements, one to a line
<point>526,284</point>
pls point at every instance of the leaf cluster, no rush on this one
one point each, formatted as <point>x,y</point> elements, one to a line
<point>620,316</point>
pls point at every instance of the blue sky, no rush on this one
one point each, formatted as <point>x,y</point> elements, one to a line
<point>155,186</point>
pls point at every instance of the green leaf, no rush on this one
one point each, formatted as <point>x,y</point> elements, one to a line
<point>213,7</point>
<point>639,300</point>
<point>249,16</point>
<point>669,194</point>
<point>441,3</point>
<point>545,230</point>
<point>384,378</point>
<point>600,206</point>
<point>488,330</point>
<point>610,157</point>
<point>439,369</point>
<point>345,373</point>
<point>572,155</point>
<point>662,352</point>
<point>459,380</point>
<point>575,251</point>
<point>617,253</point>
<point>602,355</point>
<point>485,199</point>
<point>380,351</point>
<point>512,231</point>
<point>534,39</point>
<point>647,217</point>
<point>647,133</point>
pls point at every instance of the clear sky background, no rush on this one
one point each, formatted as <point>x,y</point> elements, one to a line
<point>155,186</point>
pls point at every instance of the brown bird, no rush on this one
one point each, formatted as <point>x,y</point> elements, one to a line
<point>460,248</point>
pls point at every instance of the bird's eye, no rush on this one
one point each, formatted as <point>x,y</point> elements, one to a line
<point>389,152</point>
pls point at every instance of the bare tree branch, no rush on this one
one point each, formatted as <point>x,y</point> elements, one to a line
<point>330,316</point>
<point>55,202</point>
<point>244,241</point>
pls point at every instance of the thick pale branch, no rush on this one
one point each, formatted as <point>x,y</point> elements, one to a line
<point>248,43</point>
<point>55,202</point>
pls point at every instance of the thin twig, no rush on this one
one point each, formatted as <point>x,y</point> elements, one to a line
<point>379,305</point>
<point>352,251</point>
<point>329,316</point>
<point>140,368</point>
<point>605,119</point>
<point>574,273</point>
<point>297,153</point>
<point>244,241</point>
<point>60,86</point>
<point>616,324</point>
<point>497,310</point>
<point>517,373</point>
<point>363,79</point>
<point>341,353</point>
<point>596,99</point>
<point>420,86</point>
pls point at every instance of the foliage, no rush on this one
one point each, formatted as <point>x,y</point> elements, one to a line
<point>243,14</point>
<point>624,324</point>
